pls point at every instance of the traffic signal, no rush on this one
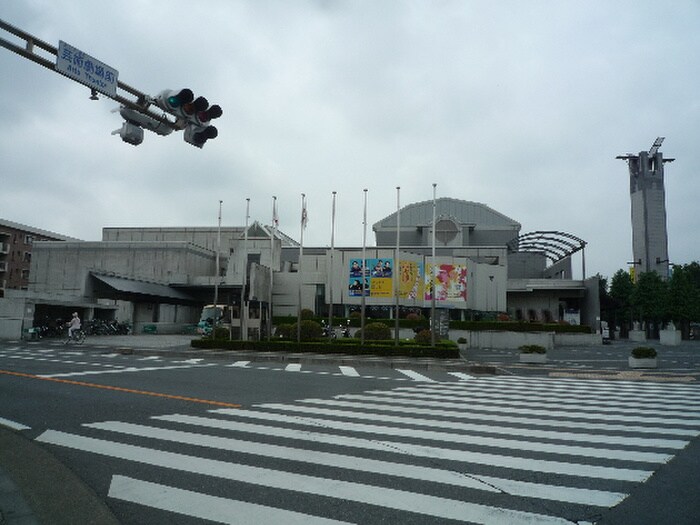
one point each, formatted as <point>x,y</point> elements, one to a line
<point>130,133</point>
<point>195,114</point>
<point>172,101</point>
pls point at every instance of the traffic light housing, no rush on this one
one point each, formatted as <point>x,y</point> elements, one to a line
<point>194,113</point>
<point>130,133</point>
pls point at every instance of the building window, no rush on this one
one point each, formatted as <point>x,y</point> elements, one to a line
<point>28,239</point>
<point>446,230</point>
<point>27,257</point>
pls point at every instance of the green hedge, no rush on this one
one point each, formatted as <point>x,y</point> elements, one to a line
<point>474,326</point>
<point>443,349</point>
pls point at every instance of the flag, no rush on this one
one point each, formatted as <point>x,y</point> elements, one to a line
<point>304,214</point>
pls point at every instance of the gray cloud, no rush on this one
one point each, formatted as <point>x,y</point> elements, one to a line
<point>521,106</point>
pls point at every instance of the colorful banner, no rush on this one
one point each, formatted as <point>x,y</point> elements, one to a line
<point>449,282</point>
<point>376,274</point>
<point>410,279</point>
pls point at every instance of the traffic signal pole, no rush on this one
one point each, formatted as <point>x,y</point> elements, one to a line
<point>191,115</point>
<point>31,42</point>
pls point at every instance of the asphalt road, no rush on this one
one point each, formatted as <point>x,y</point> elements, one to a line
<point>163,436</point>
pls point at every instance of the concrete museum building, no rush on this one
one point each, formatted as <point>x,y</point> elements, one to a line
<point>164,276</point>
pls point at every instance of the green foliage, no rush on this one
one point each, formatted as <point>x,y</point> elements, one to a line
<point>643,352</point>
<point>307,314</point>
<point>286,331</point>
<point>424,337</point>
<point>221,333</point>
<point>533,349</point>
<point>461,340</point>
<point>441,350</point>
<point>309,330</point>
<point>375,332</point>
<point>650,296</point>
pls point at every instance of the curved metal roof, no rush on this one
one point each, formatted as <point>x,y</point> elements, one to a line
<point>555,245</point>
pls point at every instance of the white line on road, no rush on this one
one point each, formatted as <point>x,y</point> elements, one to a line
<point>525,444</point>
<point>293,367</point>
<point>512,462</point>
<point>349,371</point>
<point>430,474</point>
<point>415,375</point>
<point>339,489</point>
<point>122,370</point>
<point>13,424</point>
<point>197,505</point>
<point>239,364</point>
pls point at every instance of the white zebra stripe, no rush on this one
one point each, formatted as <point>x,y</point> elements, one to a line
<point>448,477</point>
<point>344,490</point>
<point>197,505</point>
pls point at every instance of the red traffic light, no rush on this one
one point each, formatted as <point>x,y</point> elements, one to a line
<point>213,112</point>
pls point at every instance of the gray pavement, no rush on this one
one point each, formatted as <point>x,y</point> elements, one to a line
<point>35,488</point>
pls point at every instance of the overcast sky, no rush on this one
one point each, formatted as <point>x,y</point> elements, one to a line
<point>521,106</point>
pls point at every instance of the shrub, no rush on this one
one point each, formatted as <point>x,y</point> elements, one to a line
<point>533,349</point>
<point>462,340</point>
<point>414,317</point>
<point>307,314</point>
<point>375,332</point>
<point>424,337</point>
<point>309,330</point>
<point>286,331</point>
<point>221,333</point>
<point>643,352</point>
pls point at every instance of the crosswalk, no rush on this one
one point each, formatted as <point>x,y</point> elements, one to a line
<point>92,363</point>
<point>497,450</point>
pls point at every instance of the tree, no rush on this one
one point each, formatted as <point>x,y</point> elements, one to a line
<point>684,296</point>
<point>621,289</point>
<point>650,299</point>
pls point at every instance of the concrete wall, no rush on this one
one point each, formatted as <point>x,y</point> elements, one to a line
<point>492,339</point>
<point>64,267</point>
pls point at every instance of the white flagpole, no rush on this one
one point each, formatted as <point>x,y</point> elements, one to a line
<point>395,272</point>
<point>433,324</point>
<point>330,273</point>
<point>273,234</point>
<point>244,308</point>
<point>364,271</point>
<point>299,266</point>
<point>218,254</point>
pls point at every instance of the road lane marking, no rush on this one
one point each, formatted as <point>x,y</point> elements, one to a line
<point>532,433</point>
<point>13,424</point>
<point>293,367</point>
<point>124,370</point>
<point>403,470</point>
<point>400,500</point>
<point>499,417</point>
<point>415,375</point>
<point>496,460</point>
<point>198,505</point>
<point>389,397</point>
<point>524,443</point>
<point>121,389</point>
<point>349,371</point>
<point>239,364</point>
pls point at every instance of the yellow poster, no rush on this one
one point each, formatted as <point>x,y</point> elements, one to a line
<point>411,280</point>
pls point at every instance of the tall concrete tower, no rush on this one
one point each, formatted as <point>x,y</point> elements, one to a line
<point>648,197</point>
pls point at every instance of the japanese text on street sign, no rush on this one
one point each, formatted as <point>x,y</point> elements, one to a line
<point>85,69</point>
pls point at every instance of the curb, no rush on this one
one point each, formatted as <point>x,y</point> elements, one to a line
<point>41,489</point>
